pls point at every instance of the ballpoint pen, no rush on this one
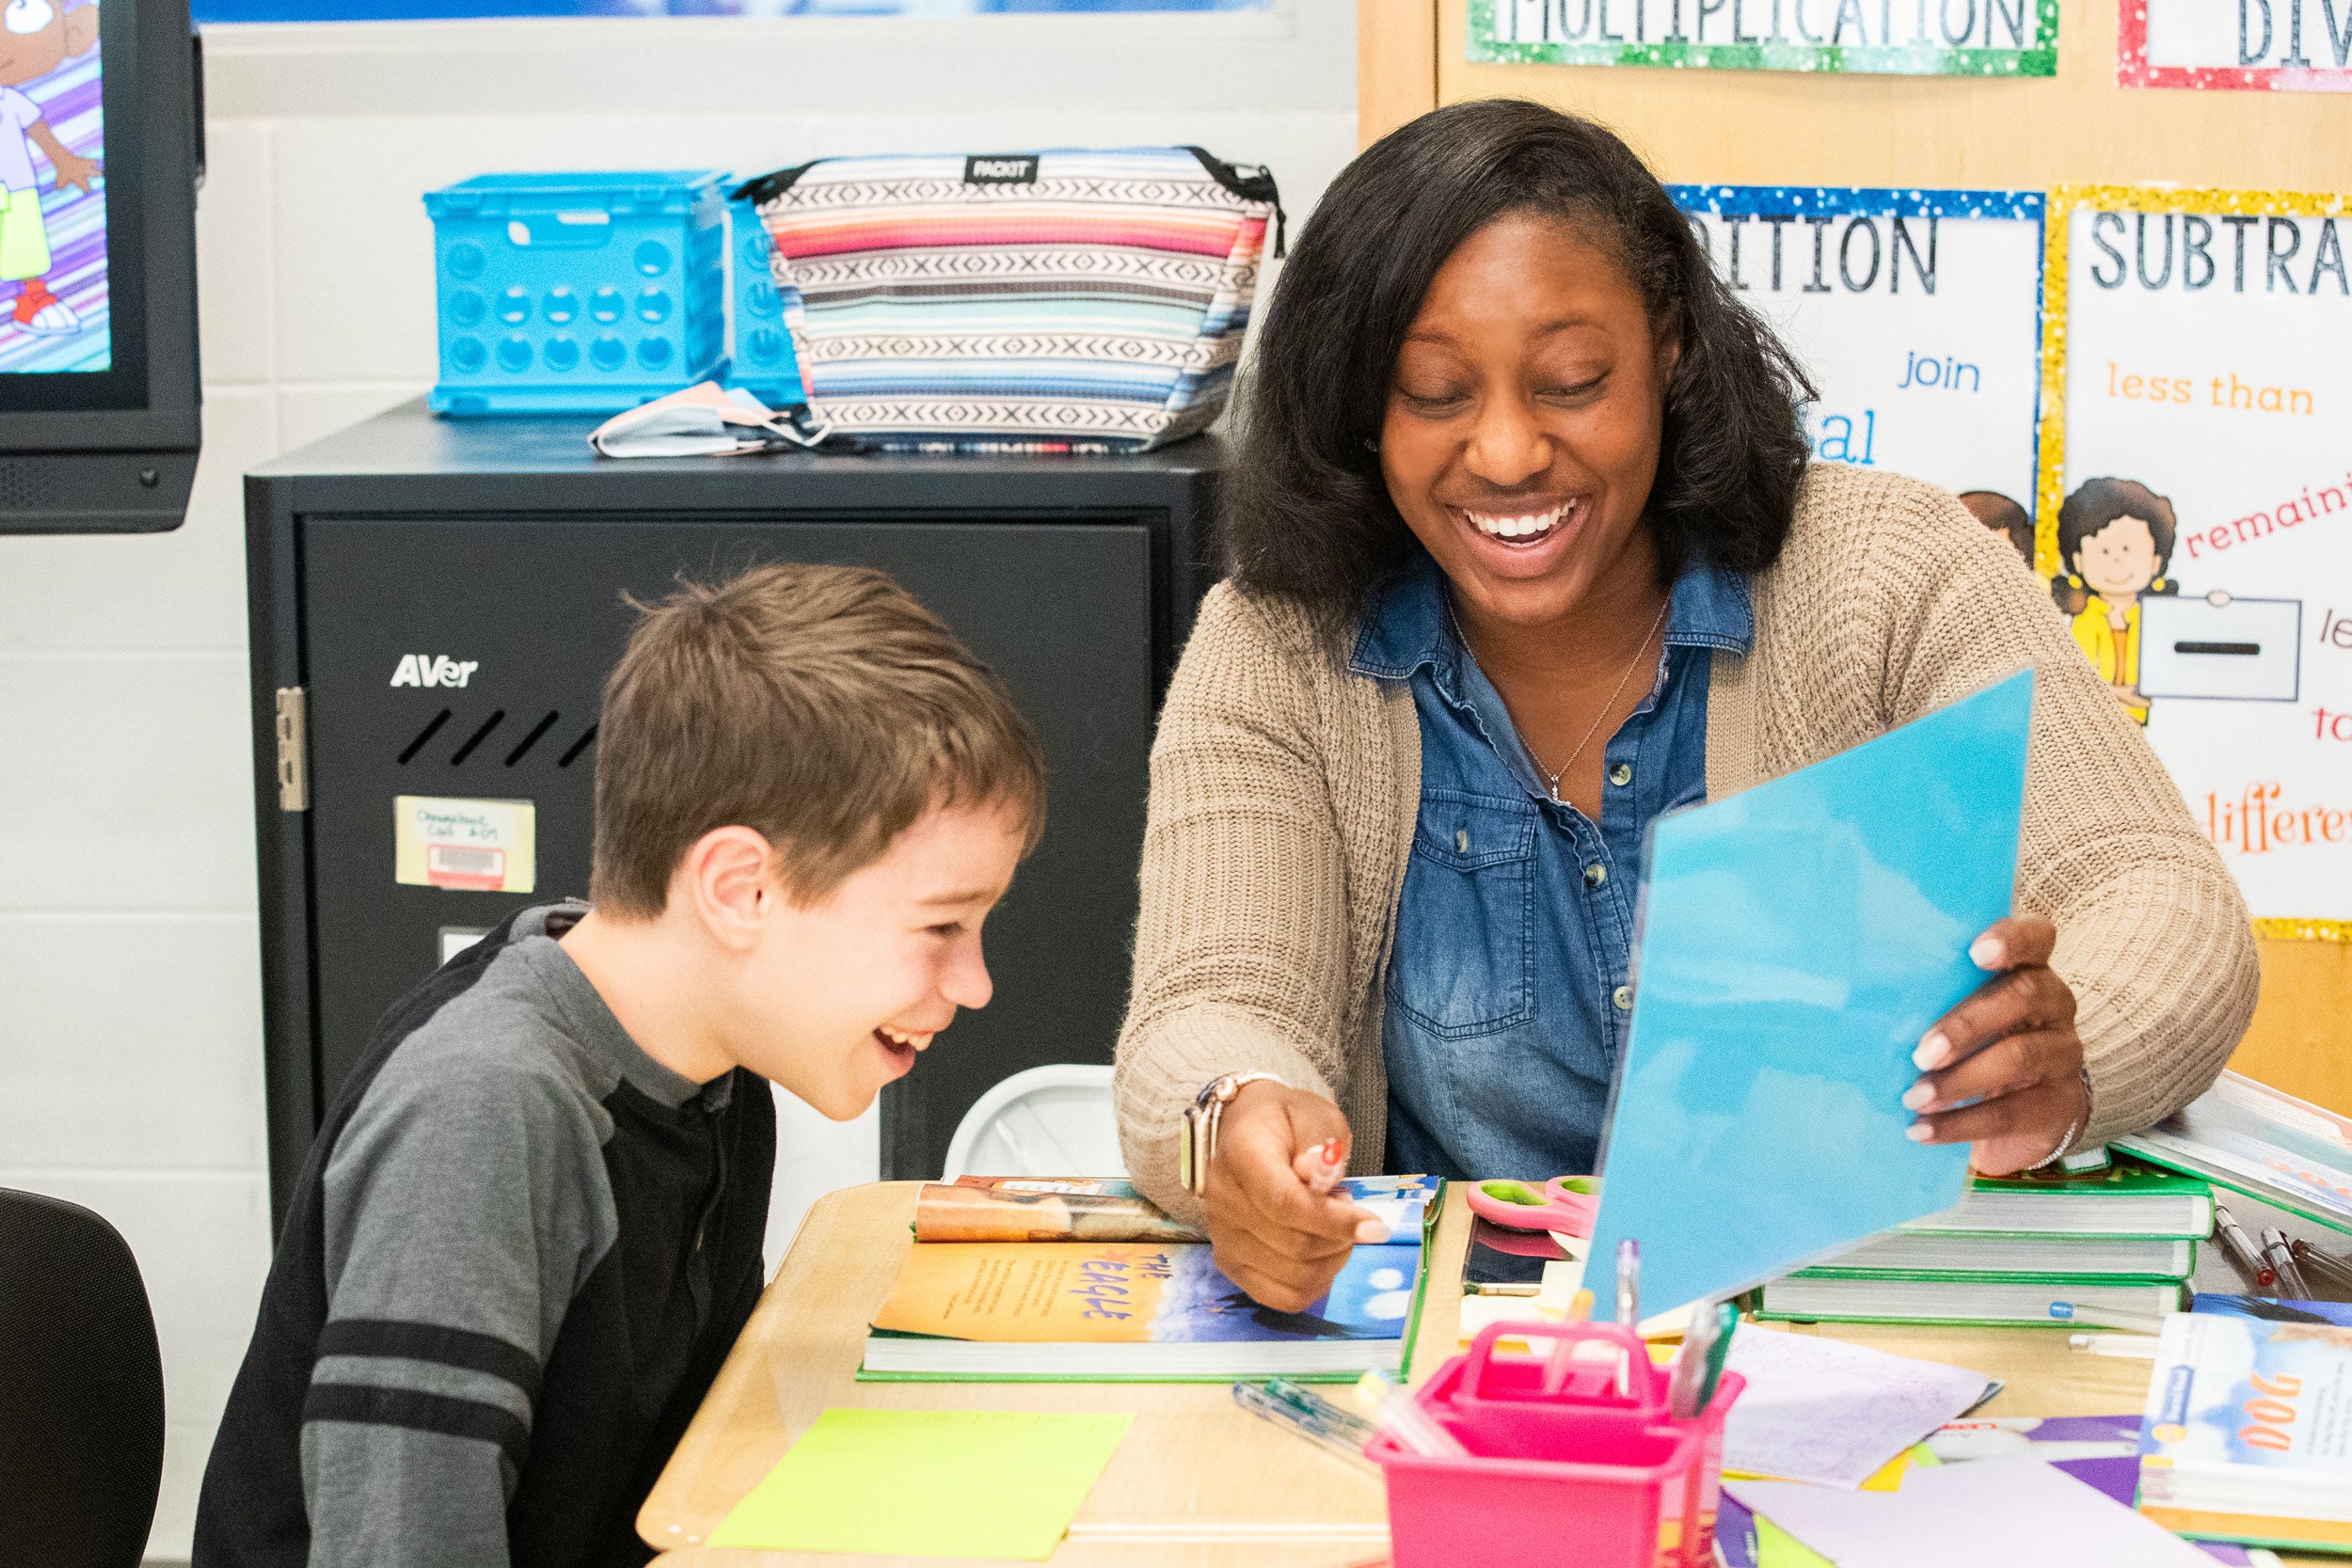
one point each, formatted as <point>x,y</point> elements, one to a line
<point>1308,1414</point>
<point>2281,1258</point>
<point>2312,1261</point>
<point>2240,1250</point>
<point>1628,1303</point>
<point>2107,1317</point>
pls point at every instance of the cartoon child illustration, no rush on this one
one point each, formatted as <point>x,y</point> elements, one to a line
<point>2003,516</point>
<point>2114,537</point>
<point>35,38</point>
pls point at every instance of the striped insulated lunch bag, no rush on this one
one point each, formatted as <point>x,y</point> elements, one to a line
<point>1062,301</point>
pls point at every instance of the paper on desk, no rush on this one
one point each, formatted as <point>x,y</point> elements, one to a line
<point>997,1483</point>
<point>1995,1511</point>
<point>1824,1411</point>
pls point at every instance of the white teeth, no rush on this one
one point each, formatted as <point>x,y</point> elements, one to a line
<point>917,1040</point>
<point>1521,527</point>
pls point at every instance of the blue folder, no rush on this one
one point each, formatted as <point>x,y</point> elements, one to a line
<point>1795,942</point>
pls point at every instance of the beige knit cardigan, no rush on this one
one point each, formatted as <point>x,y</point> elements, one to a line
<point>1285,789</point>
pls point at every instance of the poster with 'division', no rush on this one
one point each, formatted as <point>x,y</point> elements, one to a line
<point>2195,510</point>
<point>1916,314</point>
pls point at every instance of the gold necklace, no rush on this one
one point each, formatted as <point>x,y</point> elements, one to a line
<point>1551,778</point>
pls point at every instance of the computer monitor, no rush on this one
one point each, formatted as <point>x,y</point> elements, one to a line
<point>101,152</point>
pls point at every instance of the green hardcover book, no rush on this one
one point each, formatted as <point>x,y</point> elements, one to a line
<point>1951,1300</point>
<point>2127,1200</point>
<point>1927,1256</point>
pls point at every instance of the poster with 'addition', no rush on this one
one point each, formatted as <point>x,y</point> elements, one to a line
<point>2195,510</point>
<point>1916,314</point>
<point>1931,37</point>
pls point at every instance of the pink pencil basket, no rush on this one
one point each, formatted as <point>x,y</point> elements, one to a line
<point>1593,1479</point>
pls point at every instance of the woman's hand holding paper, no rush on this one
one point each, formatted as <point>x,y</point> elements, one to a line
<point>2004,1069</point>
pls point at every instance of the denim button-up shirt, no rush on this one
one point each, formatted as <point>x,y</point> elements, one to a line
<point>1508,988</point>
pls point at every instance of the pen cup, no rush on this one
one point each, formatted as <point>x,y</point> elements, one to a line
<point>1563,1471</point>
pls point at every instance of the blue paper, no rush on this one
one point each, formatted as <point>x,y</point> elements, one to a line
<point>1796,942</point>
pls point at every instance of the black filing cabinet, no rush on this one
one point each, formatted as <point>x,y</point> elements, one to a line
<point>386,560</point>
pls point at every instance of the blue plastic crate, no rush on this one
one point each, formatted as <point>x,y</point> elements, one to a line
<point>578,293</point>
<point>763,363</point>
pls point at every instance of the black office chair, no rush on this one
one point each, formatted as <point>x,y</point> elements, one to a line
<point>81,1390</point>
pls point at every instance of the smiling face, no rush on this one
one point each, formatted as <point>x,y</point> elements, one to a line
<point>840,995</point>
<point>2121,559</point>
<point>38,36</point>
<point>1523,421</point>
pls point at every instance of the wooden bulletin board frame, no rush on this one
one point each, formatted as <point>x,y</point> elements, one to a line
<point>2079,127</point>
<point>1779,128</point>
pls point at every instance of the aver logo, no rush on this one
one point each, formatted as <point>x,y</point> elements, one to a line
<point>434,670</point>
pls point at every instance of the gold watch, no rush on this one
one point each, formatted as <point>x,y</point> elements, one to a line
<point>1196,1140</point>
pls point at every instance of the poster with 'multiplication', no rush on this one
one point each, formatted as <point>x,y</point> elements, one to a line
<point>1935,38</point>
<point>1916,313</point>
<point>2195,510</point>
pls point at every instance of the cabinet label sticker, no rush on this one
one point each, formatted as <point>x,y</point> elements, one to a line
<point>485,846</point>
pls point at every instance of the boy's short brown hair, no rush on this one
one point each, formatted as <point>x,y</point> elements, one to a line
<point>821,707</point>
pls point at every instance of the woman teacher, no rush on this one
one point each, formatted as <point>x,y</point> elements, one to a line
<point>1525,551</point>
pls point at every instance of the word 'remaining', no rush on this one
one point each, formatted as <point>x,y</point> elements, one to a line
<point>1832,24</point>
<point>2192,251</point>
<point>1794,253</point>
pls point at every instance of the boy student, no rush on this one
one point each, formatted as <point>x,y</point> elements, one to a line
<point>529,1229</point>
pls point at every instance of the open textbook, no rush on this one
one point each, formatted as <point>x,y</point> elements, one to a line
<point>2252,1139</point>
<point>1156,1311</point>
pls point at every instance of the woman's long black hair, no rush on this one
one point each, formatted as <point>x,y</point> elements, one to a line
<point>1306,514</point>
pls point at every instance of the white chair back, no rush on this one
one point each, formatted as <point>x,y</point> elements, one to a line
<point>1053,1120</point>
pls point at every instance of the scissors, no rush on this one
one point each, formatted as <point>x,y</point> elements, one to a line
<point>1564,1204</point>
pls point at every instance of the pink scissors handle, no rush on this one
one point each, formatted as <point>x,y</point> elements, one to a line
<point>1565,1204</point>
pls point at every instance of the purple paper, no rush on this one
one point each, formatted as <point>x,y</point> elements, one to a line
<point>1735,1533</point>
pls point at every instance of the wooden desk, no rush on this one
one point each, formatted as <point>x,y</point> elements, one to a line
<point>1198,1483</point>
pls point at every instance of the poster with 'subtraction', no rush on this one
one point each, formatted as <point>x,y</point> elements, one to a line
<point>1916,313</point>
<point>2195,510</point>
<point>1934,38</point>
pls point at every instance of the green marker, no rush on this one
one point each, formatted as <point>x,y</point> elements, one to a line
<point>1726,1320</point>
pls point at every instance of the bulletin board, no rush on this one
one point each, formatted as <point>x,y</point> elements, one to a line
<point>2078,127</point>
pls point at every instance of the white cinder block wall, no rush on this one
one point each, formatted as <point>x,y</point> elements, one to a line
<point>130,1020</point>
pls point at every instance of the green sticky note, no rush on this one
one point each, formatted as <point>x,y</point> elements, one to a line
<point>1776,1548</point>
<point>928,1483</point>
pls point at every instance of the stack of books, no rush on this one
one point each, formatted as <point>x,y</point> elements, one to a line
<point>2117,1241</point>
